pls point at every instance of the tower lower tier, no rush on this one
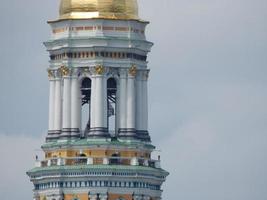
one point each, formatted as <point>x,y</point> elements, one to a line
<point>97,182</point>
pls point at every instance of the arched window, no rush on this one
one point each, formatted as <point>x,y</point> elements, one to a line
<point>115,159</point>
<point>86,103</point>
<point>111,101</point>
<point>81,159</point>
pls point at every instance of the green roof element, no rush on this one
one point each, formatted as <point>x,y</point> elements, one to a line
<point>114,168</point>
<point>98,142</point>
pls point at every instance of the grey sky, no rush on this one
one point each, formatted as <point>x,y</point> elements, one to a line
<point>207,94</point>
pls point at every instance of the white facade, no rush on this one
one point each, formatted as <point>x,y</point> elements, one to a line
<point>98,49</point>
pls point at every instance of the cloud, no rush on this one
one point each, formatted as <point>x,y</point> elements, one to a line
<point>207,94</point>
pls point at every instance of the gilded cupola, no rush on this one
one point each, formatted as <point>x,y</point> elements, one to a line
<point>107,9</point>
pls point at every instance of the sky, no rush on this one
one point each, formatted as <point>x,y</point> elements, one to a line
<point>207,95</point>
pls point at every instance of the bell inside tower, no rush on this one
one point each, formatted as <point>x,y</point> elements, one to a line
<point>86,104</point>
<point>111,101</point>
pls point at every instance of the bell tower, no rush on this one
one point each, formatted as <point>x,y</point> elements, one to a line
<point>98,146</point>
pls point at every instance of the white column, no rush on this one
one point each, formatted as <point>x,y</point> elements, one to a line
<point>122,99</point>
<point>93,197</point>
<point>139,102</point>
<point>131,102</point>
<point>145,103</point>
<point>58,104</point>
<point>66,125</point>
<point>75,105</point>
<point>92,106</point>
<point>99,102</point>
<point>51,104</point>
<point>105,106</point>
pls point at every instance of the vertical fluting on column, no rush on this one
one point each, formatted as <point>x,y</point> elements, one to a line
<point>139,101</point>
<point>130,130</point>
<point>52,134</point>
<point>105,107</point>
<point>131,103</point>
<point>122,100</point>
<point>58,104</point>
<point>76,105</point>
<point>92,103</point>
<point>66,113</point>
<point>51,103</point>
<point>145,101</point>
<point>143,128</point>
<point>99,103</point>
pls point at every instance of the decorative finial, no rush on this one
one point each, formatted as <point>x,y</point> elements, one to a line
<point>133,70</point>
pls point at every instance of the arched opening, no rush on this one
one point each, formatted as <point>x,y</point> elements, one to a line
<point>81,159</point>
<point>86,103</point>
<point>115,159</point>
<point>111,101</point>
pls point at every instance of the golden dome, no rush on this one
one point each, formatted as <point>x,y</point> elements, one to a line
<point>86,9</point>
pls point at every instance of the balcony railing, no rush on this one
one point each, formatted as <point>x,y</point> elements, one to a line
<point>133,161</point>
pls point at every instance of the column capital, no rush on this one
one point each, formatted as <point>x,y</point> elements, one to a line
<point>52,74</point>
<point>132,72</point>
<point>65,71</point>
<point>98,70</point>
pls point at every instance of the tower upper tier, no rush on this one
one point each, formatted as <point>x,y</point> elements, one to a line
<point>108,9</point>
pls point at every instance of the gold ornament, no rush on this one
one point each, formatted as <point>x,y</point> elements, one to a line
<point>50,73</point>
<point>99,70</point>
<point>133,70</point>
<point>64,71</point>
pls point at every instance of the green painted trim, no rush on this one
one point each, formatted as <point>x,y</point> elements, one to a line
<point>98,167</point>
<point>96,142</point>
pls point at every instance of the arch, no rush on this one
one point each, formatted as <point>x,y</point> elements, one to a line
<point>120,198</point>
<point>82,159</point>
<point>86,85</point>
<point>115,159</point>
<point>112,104</point>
